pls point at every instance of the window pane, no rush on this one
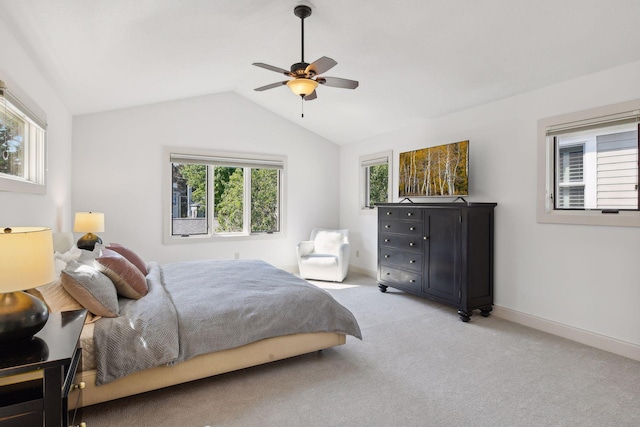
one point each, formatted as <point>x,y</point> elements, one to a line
<point>378,177</point>
<point>12,143</point>
<point>228,199</point>
<point>265,200</point>
<point>189,199</point>
<point>598,169</point>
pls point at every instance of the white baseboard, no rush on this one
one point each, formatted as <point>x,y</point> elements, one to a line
<point>363,271</point>
<point>612,345</point>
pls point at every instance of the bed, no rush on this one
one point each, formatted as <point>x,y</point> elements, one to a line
<point>185,321</point>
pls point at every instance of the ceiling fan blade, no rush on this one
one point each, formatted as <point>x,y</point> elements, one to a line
<point>271,86</point>
<point>338,82</point>
<point>321,65</point>
<point>313,95</point>
<point>272,68</point>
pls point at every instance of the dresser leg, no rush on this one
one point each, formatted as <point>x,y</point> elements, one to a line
<point>485,311</point>
<point>383,288</point>
<point>465,316</point>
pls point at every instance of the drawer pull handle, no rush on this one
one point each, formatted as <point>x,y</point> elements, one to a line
<point>412,228</point>
<point>412,281</point>
<point>387,226</point>
<point>387,240</point>
<point>413,261</point>
<point>409,213</point>
<point>388,213</point>
<point>425,237</point>
<point>80,386</point>
<point>386,256</point>
<point>411,244</point>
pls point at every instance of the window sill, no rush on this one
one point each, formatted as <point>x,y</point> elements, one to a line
<point>177,240</point>
<point>621,219</point>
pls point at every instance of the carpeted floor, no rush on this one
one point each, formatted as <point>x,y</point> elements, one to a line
<point>418,365</point>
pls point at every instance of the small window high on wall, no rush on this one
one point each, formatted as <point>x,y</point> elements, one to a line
<point>22,145</point>
<point>588,167</point>
<point>375,179</point>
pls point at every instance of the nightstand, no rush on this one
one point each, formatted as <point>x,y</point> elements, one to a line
<point>36,375</point>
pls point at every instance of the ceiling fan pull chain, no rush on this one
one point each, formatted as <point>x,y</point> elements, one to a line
<point>302,106</point>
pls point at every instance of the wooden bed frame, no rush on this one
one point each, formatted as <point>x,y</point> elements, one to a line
<point>199,367</point>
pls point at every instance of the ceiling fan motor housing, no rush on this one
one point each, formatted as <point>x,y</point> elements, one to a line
<point>299,69</point>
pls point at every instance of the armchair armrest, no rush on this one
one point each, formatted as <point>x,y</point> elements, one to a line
<point>304,248</point>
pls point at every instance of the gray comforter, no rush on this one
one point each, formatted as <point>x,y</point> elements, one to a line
<point>201,307</point>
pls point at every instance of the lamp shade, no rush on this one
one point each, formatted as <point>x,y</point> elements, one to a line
<point>89,222</point>
<point>26,258</point>
<point>302,86</point>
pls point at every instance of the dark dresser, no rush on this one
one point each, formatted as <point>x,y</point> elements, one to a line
<point>440,251</point>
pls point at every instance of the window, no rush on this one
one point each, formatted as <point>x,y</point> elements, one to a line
<point>224,194</point>
<point>590,170</point>
<point>375,176</point>
<point>22,146</point>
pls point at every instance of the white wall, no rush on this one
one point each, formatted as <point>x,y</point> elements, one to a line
<point>118,170</point>
<point>585,277</point>
<point>52,209</point>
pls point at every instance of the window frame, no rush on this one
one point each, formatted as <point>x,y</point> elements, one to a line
<point>35,146</point>
<point>365,162</point>
<point>545,208</point>
<point>211,235</point>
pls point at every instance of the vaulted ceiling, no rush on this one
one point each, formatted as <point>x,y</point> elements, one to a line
<point>414,59</point>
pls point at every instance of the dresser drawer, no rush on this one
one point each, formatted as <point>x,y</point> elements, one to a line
<point>400,241</point>
<point>400,278</point>
<point>401,259</point>
<point>412,228</point>
<point>399,213</point>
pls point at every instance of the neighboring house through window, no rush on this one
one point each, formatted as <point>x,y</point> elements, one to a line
<point>217,194</point>
<point>590,174</point>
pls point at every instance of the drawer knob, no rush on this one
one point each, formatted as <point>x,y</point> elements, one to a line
<point>82,424</point>
<point>387,240</point>
<point>388,274</point>
<point>425,238</point>
<point>80,386</point>
<point>388,213</point>
<point>413,261</point>
<point>409,213</point>
<point>411,244</point>
<point>412,228</point>
<point>412,281</point>
<point>387,226</point>
<point>386,256</point>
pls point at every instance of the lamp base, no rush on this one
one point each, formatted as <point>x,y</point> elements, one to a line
<point>88,242</point>
<point>21,316</point>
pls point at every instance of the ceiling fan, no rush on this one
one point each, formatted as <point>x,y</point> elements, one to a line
<point>305,77</point>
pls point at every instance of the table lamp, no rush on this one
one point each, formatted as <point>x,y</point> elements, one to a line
<point>89,222</point>
<point>26,262</point>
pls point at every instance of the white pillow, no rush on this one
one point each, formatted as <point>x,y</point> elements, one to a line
<point>327,242</point>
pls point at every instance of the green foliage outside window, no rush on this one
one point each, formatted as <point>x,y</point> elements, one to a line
<point>378,184</point>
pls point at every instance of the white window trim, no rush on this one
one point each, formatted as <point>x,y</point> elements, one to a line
<point>167,193</point>
<point>37,166</point>
<point>545,212</point>
<point>372,159</point>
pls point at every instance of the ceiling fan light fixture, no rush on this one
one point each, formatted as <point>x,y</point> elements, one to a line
<point>302,86</point>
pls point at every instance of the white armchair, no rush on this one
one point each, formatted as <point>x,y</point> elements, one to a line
<point>325,256</point>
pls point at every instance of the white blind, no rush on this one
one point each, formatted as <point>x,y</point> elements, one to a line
<point>38,119</point>
<point>229,161</point>
<point>594,123</point>
<point>374,162</point>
